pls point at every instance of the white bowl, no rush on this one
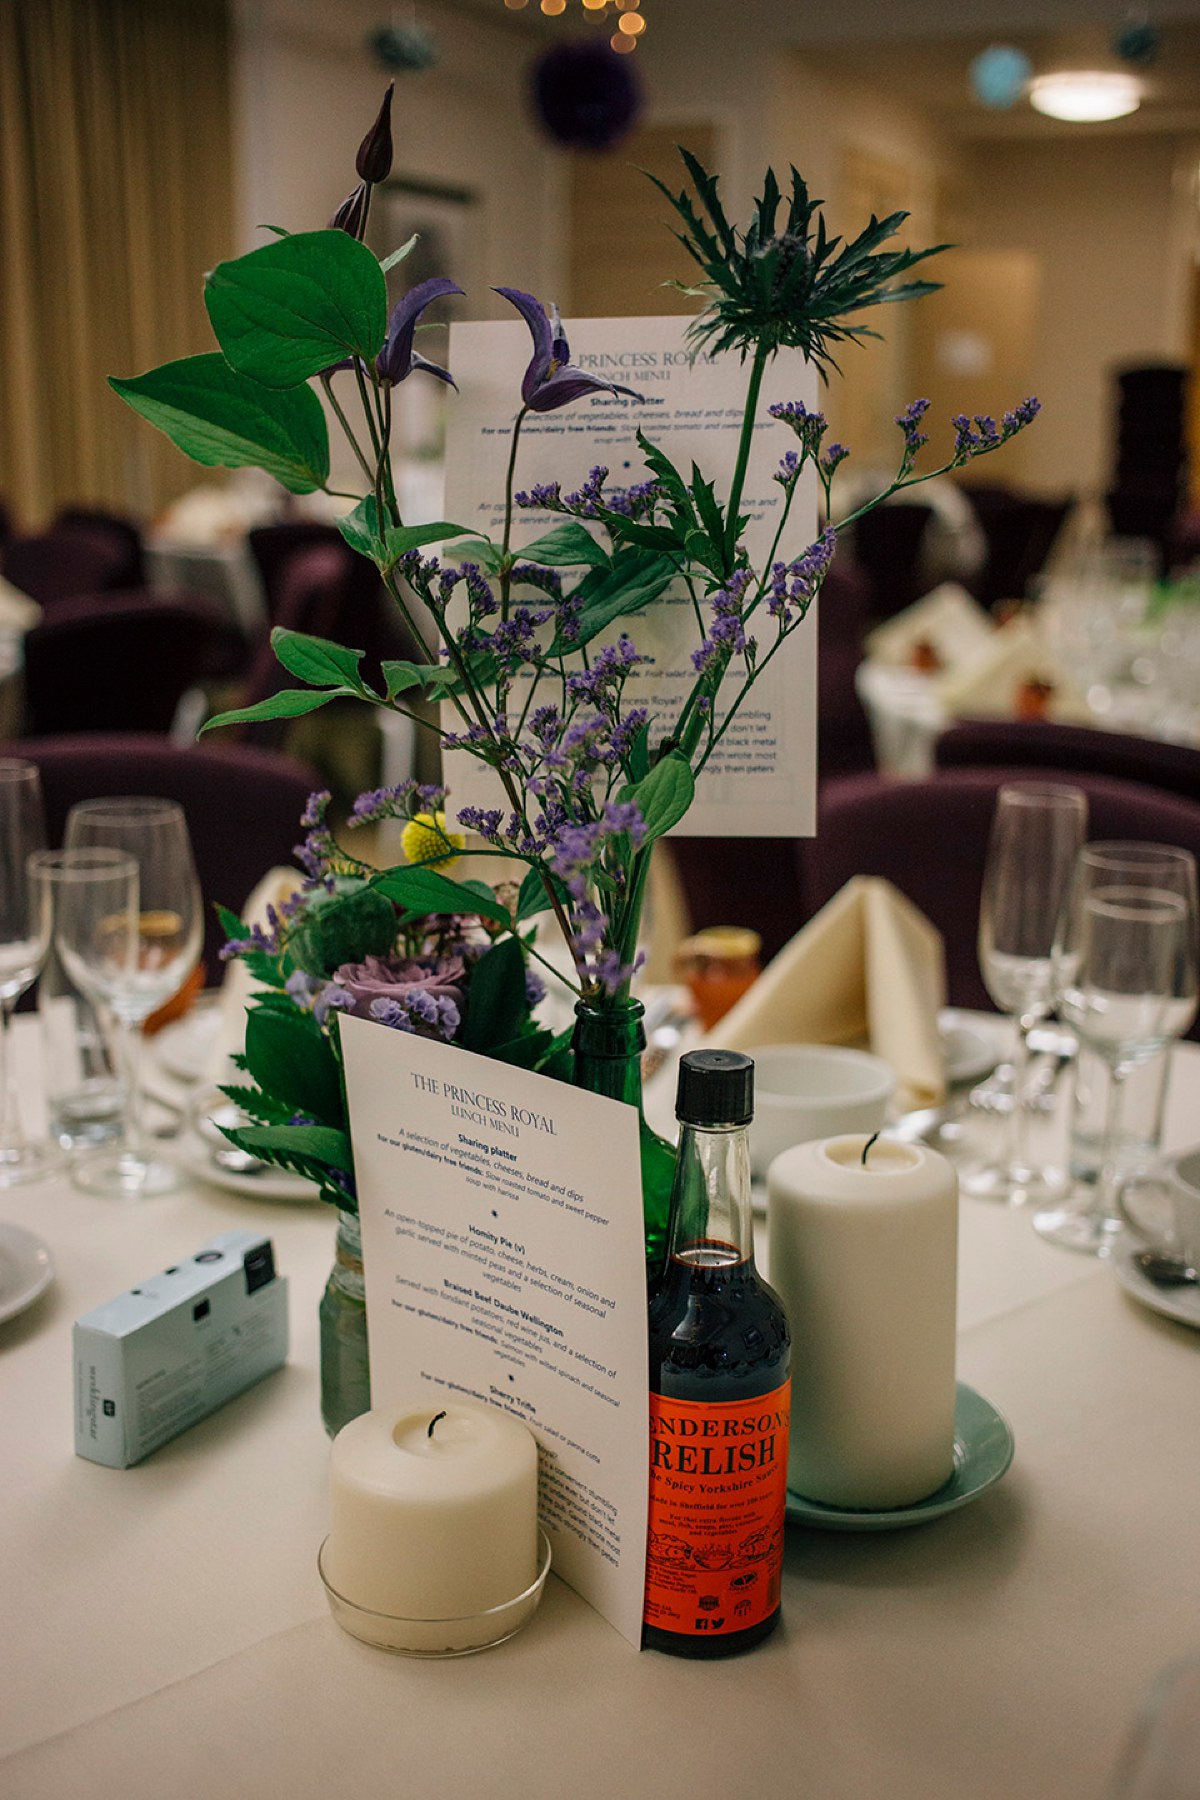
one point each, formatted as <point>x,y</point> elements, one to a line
<point>806,1091</point>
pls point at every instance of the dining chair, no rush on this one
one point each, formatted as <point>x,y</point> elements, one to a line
<point>122,533</point>
<point>65,561</point>
<point>1009,743</point>
<point>887,546</point>
<point>243,804</point>
<point>119,662</point>
<point>1020,530</point>
<point>930,838</point>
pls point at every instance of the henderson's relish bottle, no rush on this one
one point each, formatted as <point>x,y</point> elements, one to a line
<point>719,1388</point>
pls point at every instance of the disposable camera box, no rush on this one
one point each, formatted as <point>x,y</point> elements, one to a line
<point>170,1351</point>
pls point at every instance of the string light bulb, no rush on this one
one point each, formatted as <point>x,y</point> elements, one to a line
<point>630,21</point>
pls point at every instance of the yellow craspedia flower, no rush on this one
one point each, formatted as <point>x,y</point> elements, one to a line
<point>424,840</point>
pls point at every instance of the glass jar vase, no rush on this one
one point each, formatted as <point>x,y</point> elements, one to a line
<point>345,1373</point>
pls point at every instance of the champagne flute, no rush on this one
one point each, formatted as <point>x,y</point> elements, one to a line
<point>24,941</point>
<point>169,928</point>
<point>1037,830</point>
<point>1126,977</point>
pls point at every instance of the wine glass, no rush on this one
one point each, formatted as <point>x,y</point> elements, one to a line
<point>1126,978</point>
<point>24,941</point>
<point>1037,829</point>
<point>169,928</point>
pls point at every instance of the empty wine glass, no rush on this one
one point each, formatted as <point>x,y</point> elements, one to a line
<point>169,927</point>
<point>1037,829</point>
<point>24,941</point>
<point>1126,979</point>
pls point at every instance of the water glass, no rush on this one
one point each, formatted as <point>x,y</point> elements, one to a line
<point>24,940</point>
<point>133,977</point>
<point>85,1099</point>
<point>1126,979</point>
<point>1037,829</point>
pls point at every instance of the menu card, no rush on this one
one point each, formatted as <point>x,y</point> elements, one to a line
<point>761,781</point>
<point>504,1257</point>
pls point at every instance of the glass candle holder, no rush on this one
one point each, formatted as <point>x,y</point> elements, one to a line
<point>439,1637</point>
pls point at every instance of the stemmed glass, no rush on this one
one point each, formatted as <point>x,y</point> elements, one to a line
<point>136,980</point>
<point>24,941</point>
<point>1126,979</point>
<point>1037,829</point>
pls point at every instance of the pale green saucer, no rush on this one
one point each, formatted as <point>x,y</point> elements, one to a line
<point>983,1449</point>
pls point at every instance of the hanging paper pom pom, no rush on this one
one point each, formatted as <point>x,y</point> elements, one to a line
<point>402,47</point>
<point>1136,41</point>
<point>585,94</point>
<point>999,74</point>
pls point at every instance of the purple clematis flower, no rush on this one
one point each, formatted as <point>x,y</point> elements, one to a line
<point>398,358</point>
<point>550,380</point>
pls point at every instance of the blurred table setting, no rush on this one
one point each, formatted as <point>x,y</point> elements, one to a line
<point>1106,645</point>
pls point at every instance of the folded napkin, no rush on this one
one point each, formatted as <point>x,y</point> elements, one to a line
<point>991,684</point>
<point>239,986</point>
<point>17,611</point>
<point>869,968</point>
<point>953,625</point>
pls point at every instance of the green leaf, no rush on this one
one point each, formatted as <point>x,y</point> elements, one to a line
<point>398,256</point>
<point>316,659</point>
<point>496,1002</point>
<point>225,420</point>
<point>288,310</point>
<point>567,546</point>
<point>360,530</point>
<point>438,678</point>
<point>290,1058</point>
<point>664,470</point>
<point>353,922</point>
<point>478,550</point>
<point>425,891</point>
<point>633,581</point>
<point>289,703</point>
<point>664,796</point>
<point>317,1143</point>
<point>256,1105</point>
<point>533,898</point>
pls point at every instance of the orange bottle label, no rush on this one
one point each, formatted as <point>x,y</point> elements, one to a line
<point>718,1493</point>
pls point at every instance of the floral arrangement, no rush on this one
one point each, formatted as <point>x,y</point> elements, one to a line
<point>345,944</point>
<point>530,648</point>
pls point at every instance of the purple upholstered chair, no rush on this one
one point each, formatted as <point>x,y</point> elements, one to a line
<point>1012,743</point>
<point>122,533</point>
<point>116,662</point>
<point>930,839</point>
<point>243,805</point>
<point>65,561</point>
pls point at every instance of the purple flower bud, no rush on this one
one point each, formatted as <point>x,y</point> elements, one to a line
<point>351,215</point>
<point>374,159</point>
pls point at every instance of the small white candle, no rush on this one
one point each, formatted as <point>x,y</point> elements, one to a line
<point>433,1513</point>
<point>864,1257</point>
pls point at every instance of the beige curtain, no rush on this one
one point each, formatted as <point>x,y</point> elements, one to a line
<point>115,196</point>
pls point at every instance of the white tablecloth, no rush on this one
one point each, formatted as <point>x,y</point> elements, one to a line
<point>166,1636</point>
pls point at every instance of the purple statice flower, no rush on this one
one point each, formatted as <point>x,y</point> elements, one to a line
<point>546,497</point>
<point>534,575</point>
<point>636,502</point>
<point>551,380</point>
<point>425,1014</point>
<point>726,632</point>
<point>788,472</point>
<point>832,460</point>
<point>397,359</point>
<point>809,427</point>
<point>332,997</point>
<point>257,940</point>
<point>486,823</point>
<point>588,501</point>
<point>608,670</point>
<point>1021,416</point>
<point>535,988</point>
<point>399,802</point>
<point>303,989</point>
<point>909,422</point>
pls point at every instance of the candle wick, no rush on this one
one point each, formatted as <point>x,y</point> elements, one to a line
<point>433,1422</point>
<point>867,1146</point>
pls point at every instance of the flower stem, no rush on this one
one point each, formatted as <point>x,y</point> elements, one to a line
<point>761,356</point>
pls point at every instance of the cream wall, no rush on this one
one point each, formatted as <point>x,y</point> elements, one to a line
<point>1110,221</point>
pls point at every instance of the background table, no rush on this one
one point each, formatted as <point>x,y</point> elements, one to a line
<point>166,1634</point>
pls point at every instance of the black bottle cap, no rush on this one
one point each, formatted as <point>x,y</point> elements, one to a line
<point>716,1087</point>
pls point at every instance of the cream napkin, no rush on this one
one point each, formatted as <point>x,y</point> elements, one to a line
<point>276,886</point>
<point>17,611</point>
<point>988,686</point>
<point>868,968</point>
<point>954,625</point>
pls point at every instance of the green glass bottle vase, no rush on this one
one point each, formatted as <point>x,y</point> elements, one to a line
<point>608,1044</point>
<point>345,1373</point>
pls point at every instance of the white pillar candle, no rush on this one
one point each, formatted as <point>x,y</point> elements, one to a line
<point>864,1257</point>
<point>433,1513</point>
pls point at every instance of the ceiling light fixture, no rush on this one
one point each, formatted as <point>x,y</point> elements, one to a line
<point>1085,96</point>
